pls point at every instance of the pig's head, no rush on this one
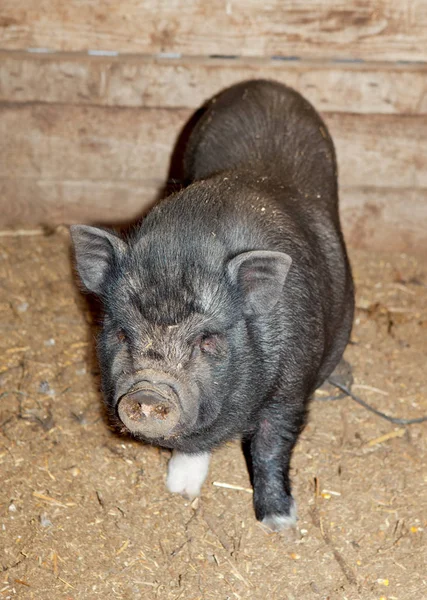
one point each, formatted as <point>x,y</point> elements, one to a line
<point>174,343</point>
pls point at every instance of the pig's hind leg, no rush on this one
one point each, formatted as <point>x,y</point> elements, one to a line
<point>268,452</point>
<point>187,473</point>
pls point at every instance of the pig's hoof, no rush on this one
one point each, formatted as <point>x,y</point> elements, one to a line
<point>278,522</point>
<point>187,473</point>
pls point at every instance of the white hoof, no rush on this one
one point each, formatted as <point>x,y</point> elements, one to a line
<point>278,522</point>
<point>187,473</point>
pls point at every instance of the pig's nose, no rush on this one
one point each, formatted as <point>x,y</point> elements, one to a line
<point>144,404</point>
<point>147,411</point>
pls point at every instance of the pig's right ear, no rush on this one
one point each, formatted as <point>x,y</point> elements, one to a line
<point>95,250</point>
<point>260,275</point>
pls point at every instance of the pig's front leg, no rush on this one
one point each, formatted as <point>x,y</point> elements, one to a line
<point>270,450</point>
<point>187,473</point>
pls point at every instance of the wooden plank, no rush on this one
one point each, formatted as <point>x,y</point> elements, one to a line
<point>385,218</point>
<point>381,30</point>
<point>149,82</point>
<point>31,201</point>
<point>87,143</point>
<point>380,150</point>
<point>372,218</point>
<point>62,142</point>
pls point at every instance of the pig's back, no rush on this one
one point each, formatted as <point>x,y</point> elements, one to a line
<point>266,127</point>
<point>269,161</point>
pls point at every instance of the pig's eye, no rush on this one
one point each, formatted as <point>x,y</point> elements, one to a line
<point>121,336</point>
<point>208,343</point>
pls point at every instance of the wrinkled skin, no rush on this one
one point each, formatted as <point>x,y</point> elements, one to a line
<point>234,295</point>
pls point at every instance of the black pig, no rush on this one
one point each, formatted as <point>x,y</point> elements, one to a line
<point>233,300</point>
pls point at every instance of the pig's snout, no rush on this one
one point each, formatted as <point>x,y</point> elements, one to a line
<point>151,410</point>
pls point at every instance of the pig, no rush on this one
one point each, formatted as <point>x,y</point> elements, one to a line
<point>232,301</point>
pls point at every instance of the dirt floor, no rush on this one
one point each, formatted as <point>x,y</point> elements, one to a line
<point>85,513</point>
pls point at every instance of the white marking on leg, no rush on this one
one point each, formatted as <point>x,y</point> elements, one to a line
<point>187,473</point>
<point>277,521</point>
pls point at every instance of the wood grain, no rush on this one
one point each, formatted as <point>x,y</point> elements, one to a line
<point>64,142</point>
<point>349,29</point>
<point>169,83</point>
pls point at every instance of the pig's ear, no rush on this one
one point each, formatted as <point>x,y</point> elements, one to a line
<point>95,250</point>
<point>260,275</point>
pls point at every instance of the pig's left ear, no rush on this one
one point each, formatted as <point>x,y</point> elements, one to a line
<point>96,251</point>
<point>261,276</point>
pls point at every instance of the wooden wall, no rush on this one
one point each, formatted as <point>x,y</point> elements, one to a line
<point>93,96</point>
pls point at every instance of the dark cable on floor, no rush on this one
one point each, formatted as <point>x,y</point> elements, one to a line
<point>395,420</point>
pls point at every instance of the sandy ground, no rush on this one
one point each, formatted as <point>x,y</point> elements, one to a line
<point>85,513</point>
